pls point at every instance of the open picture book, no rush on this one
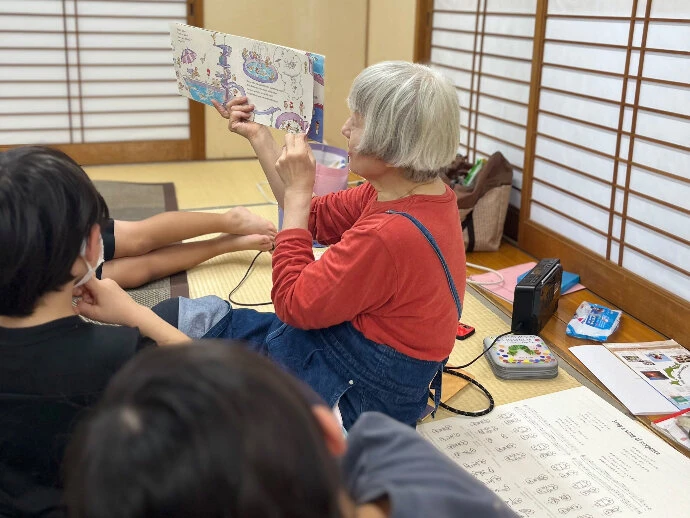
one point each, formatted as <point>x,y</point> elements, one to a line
<point>285,85</point>
<point>649,378</point>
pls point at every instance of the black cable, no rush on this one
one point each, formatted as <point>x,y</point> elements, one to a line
<point>251,265</point>
<point>451,370</point>
<point>480,355</point>
<point>474,382</point>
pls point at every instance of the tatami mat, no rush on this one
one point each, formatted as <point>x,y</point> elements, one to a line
<point>219,275</point>
<point>213,183</point>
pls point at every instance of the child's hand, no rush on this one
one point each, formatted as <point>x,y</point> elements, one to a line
<point>240,114</point>
<point>104,301</point>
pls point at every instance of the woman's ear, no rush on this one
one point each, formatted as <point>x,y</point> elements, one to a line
<point>332,431</point>
<point>93,244</point>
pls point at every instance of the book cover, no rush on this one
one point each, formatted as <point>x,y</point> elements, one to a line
<point>285,85</point>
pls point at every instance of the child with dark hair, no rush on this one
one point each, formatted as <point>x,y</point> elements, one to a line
<point>52,363</point>
<point>212,429</point>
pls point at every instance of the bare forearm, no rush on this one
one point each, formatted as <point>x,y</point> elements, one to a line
<point>296,209</point>
<point>154,327</point>
<point>268,151</point>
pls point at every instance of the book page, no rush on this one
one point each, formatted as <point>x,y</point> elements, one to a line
<point>631,390</point>
<point>664,365</point>
<point>568,454</point>
<point>277,80</point>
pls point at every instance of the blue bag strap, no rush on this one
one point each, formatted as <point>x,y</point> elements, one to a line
<point>432,242</point>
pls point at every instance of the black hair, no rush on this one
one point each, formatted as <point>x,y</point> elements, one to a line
<point>48,206</point>
<point>207,430</point>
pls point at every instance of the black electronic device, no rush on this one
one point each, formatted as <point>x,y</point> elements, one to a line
<point>536,297</point>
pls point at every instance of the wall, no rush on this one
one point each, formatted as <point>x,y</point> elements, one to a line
<point>335,29</point>
<point>344,31</point>
<point>391,30</point>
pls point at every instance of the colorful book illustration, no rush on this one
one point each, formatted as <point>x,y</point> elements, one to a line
<point>648,378</point>
<point>664,365</point>
<point>285,85</point>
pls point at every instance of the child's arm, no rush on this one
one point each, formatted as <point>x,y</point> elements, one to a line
<point>105,301</point>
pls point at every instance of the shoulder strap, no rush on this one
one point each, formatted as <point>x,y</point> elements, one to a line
<point>436,382</point>
<point>432,242</point>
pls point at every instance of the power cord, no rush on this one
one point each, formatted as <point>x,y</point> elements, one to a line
<point>251,265</point>
<point>481,354</point>
<point>452,371</point>
<point>485,283</point>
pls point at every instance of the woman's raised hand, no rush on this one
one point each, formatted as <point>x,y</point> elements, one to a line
<point>296,165</point>
<point>240,117</point>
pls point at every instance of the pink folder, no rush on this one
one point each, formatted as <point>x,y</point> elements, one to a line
<point>506,290</point>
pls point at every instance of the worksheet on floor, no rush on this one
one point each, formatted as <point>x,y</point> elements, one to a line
<point>568,454</point>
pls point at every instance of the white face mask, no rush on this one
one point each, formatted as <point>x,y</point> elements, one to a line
<point>91,270</point>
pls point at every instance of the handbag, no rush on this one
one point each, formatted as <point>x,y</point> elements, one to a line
<point>483,204</point>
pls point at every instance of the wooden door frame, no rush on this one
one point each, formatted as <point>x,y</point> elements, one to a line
<point>642,299</point>
<point>423,24</point>
<point>659,308</point>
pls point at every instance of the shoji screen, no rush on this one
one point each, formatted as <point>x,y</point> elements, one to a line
<point>85,72</point>
<point>485,48</point>
<point>609,157</point>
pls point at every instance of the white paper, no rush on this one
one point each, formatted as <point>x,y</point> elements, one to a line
<point>285,85</point>
<point>631,390</point>
<point>568,454</point>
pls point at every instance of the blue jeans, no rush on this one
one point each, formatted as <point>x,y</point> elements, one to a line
<point>339,362</point>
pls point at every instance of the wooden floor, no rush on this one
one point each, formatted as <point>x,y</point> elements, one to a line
<point>630,330</point>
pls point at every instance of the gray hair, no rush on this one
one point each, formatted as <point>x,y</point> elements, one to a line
<point>411,117</point>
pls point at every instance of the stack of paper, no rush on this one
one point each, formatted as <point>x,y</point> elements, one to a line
<point>672,427</point>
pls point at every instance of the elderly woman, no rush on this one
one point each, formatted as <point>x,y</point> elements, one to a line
<point>369,325</point>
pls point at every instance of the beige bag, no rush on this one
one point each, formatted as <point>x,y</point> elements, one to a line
<point>483,204</point>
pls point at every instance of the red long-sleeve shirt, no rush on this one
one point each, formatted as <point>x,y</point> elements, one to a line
<point>380,272</point>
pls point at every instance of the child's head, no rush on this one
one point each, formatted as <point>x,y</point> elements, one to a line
<point>207,429</point>
<point>48,208</point>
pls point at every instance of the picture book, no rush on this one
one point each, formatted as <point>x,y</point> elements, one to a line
<point>285,85</point>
